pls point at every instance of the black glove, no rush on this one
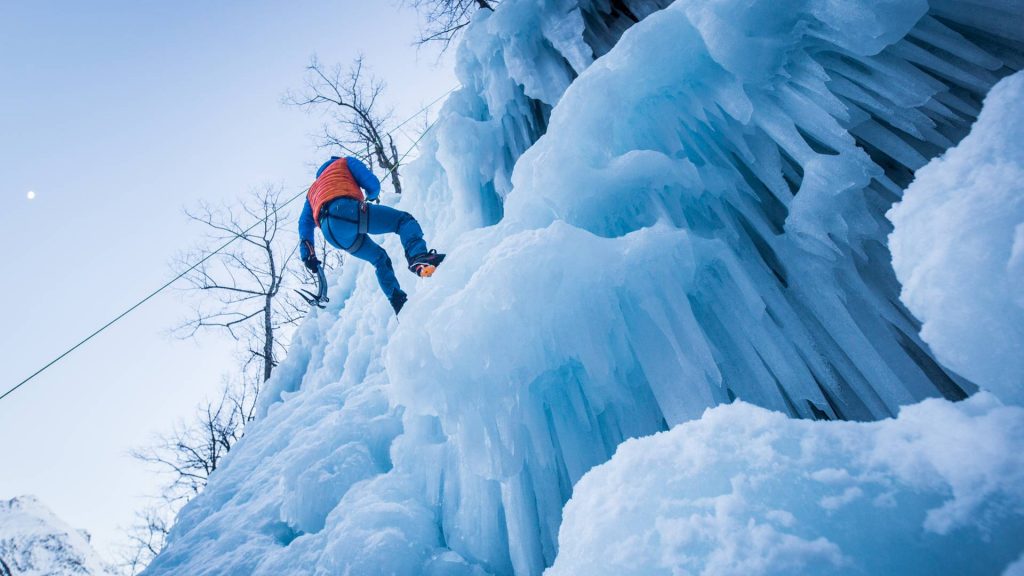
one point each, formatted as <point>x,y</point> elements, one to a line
<point>374,200</point>
<point>309,256</point>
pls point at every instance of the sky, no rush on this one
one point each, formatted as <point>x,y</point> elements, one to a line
<point>117,115</point>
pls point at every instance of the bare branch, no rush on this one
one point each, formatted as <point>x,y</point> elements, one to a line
<point>358,126</point>
<point>444,19</point>
<point>244,292</point>
<point>245,283</point>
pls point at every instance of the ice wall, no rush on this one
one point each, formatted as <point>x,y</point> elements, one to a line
<point>702,220</point>
<point>514,65</point>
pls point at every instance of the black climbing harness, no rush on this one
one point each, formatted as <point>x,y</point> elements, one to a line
<point>362,220</point>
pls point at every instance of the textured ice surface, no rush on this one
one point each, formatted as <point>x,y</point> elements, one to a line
<point>703,219</point>
<point>937,491</point>
<point>514,65</point>
<point>35,542</point>
<point>958,247</point>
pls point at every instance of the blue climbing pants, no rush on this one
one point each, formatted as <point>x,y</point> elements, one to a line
<point>340,226</point>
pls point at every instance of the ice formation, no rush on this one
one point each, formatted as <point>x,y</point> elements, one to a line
<point>937,491</point>
<point>641,223</point>
<point>35,542</point>
<point>958,247</point>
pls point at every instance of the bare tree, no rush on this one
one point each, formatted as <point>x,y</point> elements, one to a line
<point>358,125</point>
<point>146,538</point>
<point>245,283</point>
<point>244,293</point>
<point>444,19</point>
<point>190,454</point>
<point>187,458</point>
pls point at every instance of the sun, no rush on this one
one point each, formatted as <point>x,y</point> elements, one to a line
<point>31,195</point>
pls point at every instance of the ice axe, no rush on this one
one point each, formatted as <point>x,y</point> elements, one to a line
<point>320,298</point>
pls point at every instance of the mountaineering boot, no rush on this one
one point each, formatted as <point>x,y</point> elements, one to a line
<point>398,299</point>
<point>425,264</point>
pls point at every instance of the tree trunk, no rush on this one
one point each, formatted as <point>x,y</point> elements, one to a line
<point>268,314</point>
<point>268,339</point>
<point>395,181</point>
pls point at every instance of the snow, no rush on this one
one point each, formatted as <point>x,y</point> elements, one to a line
<point>641,224</point>
<point>958,247</point>
<point>938,490</point>
<point>35,542</point>
<point>1016,569</point>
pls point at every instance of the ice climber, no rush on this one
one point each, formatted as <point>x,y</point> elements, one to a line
<point>336,203</point>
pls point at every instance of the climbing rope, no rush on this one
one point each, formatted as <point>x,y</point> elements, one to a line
<point>223,246</point>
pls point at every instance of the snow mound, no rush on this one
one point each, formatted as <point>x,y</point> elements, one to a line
<point>35,542</point>
<point>939,490</point>
<point>958,247</point>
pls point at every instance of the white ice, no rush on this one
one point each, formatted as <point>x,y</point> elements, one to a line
<point>958,247</point>
<point>939,490</point>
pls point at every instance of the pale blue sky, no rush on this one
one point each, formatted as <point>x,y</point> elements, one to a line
<point>118,114</point>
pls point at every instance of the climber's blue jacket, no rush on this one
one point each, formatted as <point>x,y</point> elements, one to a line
<point>338,177</point>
